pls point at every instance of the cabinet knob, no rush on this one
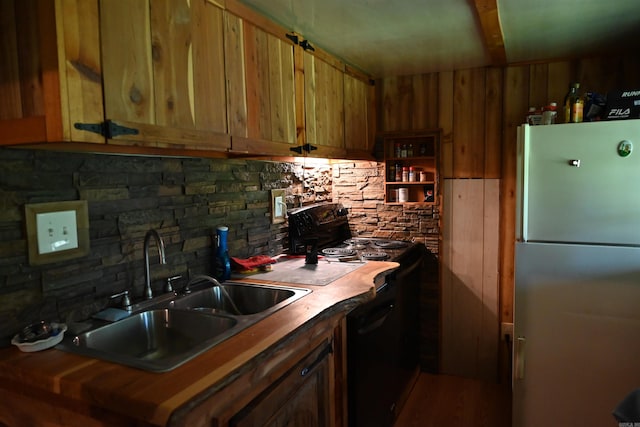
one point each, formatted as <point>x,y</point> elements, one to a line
<point>574,162</point>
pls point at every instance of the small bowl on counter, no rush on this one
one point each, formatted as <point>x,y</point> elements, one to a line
<point>39,336</point>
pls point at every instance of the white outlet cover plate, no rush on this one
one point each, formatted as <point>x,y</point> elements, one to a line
<point>57,231</point>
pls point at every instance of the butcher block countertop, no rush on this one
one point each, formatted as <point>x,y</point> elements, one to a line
<point>88,386</point>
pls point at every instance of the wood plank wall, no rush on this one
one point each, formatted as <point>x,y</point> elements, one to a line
<point>478,111</point>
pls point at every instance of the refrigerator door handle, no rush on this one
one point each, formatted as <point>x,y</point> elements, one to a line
<point>519,358</point>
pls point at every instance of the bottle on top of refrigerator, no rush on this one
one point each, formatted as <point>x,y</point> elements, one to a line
<point>573,104</point>
<point>534,116</point>
<point>549,114</point>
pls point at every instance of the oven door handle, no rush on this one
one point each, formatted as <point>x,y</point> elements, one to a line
<point>379,316</point>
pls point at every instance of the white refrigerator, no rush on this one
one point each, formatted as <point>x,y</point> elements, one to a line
<point>577,280</point>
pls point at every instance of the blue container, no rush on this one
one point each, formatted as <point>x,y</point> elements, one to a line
<point>221,261</point>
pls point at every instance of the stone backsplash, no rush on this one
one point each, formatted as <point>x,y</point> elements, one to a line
<point>184,199</point>
<point>359,186</point>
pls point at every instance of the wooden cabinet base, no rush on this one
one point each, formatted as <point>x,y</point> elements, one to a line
<point>22,406</point>
<point>273,390</point>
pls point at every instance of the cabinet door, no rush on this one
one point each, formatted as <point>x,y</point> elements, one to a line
<point>324,106</point>
<point>358,95</point>
<point>50,69</point>
<point>300,398</point>
<point>261,98</point>
<point>164,72</point>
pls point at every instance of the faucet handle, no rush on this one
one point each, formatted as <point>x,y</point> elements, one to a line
<point>126,301</point>
<point>169,286</point>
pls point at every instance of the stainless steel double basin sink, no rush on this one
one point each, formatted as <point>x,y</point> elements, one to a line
<point>177,329</point>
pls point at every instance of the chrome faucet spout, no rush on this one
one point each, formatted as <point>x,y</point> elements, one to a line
<point>148,293</point>
<point>215,283</point>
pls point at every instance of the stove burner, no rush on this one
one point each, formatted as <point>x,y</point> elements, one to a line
<point>390,244</point>
<point>338,252</point>
<point>357,242</point>
<point>358,245</point>
<point>374,256</point>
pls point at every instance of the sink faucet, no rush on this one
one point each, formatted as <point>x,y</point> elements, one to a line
<point>200,277</point>
<point>148,294</point>
<point>215,283</point>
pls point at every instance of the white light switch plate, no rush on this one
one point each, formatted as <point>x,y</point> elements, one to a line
<point>278,206</point>
<point>57,231</point>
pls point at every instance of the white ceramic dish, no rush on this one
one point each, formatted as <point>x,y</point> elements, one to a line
<point>41,344</point>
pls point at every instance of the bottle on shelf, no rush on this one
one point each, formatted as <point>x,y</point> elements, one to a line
<point>403,151</point>
<point>405,174</point>
<point>392,172</point>
<point>398,172</point>
<point>410,151</point>
<point>398,150</point>
<point>222,262</point>
<point>573,104</point>
<point>412,174</point>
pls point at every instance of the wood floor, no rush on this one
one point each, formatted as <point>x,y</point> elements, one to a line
<point>447,401</point>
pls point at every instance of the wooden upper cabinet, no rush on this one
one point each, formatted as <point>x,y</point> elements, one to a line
<point>164,73</point>
<point>359,108</point>
<point>179,75</point>
<point>261,97</point>
<point>323,105</point>
<point>50,71</point>
<point>159,63</point>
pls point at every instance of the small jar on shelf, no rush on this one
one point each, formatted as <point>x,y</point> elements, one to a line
<point>403,194</point>
<point>412,174</point>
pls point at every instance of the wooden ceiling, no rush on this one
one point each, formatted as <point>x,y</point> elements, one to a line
<point>400,37</point>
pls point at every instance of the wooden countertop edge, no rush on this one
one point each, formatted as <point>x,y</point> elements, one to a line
<point>263,362</point>
<point>153,398</point>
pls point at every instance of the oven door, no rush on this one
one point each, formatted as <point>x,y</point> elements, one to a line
<point>372,360</point>
<point>383,348</point>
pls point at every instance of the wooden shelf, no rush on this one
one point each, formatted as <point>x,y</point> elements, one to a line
<point>417,150</point>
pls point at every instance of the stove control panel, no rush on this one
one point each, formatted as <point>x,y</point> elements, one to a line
<point>327,222</point>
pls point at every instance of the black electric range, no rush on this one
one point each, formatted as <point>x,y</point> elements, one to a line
<point>325,229</point>
<point>382,334</point>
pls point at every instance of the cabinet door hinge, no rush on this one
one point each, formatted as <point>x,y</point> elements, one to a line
<point>108,129</point>
<point>297,149</point>
<point>309,148</point>
<point>306,147</point>
<point>91,127</point>
<point>293,37</point>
